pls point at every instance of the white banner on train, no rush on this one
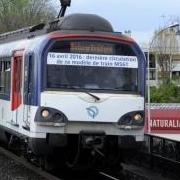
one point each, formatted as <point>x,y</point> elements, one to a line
<point>70,59</point>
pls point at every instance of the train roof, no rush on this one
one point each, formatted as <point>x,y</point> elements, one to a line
<point>81,22</point>
<point>88,22</point>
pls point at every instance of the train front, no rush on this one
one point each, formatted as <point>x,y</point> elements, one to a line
<point>93,86</point>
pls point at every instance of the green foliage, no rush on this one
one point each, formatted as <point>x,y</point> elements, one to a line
<point>165,93</point>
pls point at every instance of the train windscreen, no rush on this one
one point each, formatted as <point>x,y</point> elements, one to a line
<point>92,65</point>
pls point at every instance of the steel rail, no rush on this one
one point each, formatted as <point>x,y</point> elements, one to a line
<point>108,176</point>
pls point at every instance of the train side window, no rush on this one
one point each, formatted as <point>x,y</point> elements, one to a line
<point>5,75</point>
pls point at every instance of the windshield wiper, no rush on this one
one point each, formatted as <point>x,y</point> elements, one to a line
<point>77,87</point>
<point>92,95</point>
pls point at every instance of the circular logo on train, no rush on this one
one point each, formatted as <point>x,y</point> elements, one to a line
<point>92,111</point>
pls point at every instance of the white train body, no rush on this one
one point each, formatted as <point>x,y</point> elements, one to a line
<point>40,92</point>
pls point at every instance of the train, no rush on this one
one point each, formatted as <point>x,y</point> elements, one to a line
<point>72,85</point>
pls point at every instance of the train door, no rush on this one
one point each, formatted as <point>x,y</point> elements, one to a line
<point>28,71</point>
<point>16,92</point>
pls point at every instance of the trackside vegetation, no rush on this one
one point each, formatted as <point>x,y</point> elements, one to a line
<point>165,93</point>
<point>16,14</point>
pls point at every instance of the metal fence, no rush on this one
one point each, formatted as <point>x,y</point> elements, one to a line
<point>164,106</point>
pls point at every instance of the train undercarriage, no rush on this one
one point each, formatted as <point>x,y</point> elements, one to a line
<point>87,150</point>
<point>83,151</point>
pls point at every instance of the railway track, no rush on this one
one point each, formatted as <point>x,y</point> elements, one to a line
<point>130,172</point>
<point>91,175</point>
<point>108,176</point>
<point>136,172</point>
<point>13,167</point>
<point>145,166</point>
<point>158,158</point>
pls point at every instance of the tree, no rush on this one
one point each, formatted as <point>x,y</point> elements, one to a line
<point>15,14</point>
<point>164,45</point>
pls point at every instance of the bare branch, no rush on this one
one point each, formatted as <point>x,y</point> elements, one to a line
<point>16,14</point>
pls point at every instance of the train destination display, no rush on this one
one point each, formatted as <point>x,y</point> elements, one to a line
<point>91,47</point>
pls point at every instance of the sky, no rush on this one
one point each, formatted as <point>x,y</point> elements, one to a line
<point>141,17</point>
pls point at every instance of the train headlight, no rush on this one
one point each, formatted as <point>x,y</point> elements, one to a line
<point>134,119</point>
<point>45,113</point>
<point>138,117</point>
<point>48,116</point>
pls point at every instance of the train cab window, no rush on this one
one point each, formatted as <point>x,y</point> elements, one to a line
<point>5,75</point>
<point>92,65</point>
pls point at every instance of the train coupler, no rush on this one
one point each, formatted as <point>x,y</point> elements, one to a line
<point>92,139</point>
